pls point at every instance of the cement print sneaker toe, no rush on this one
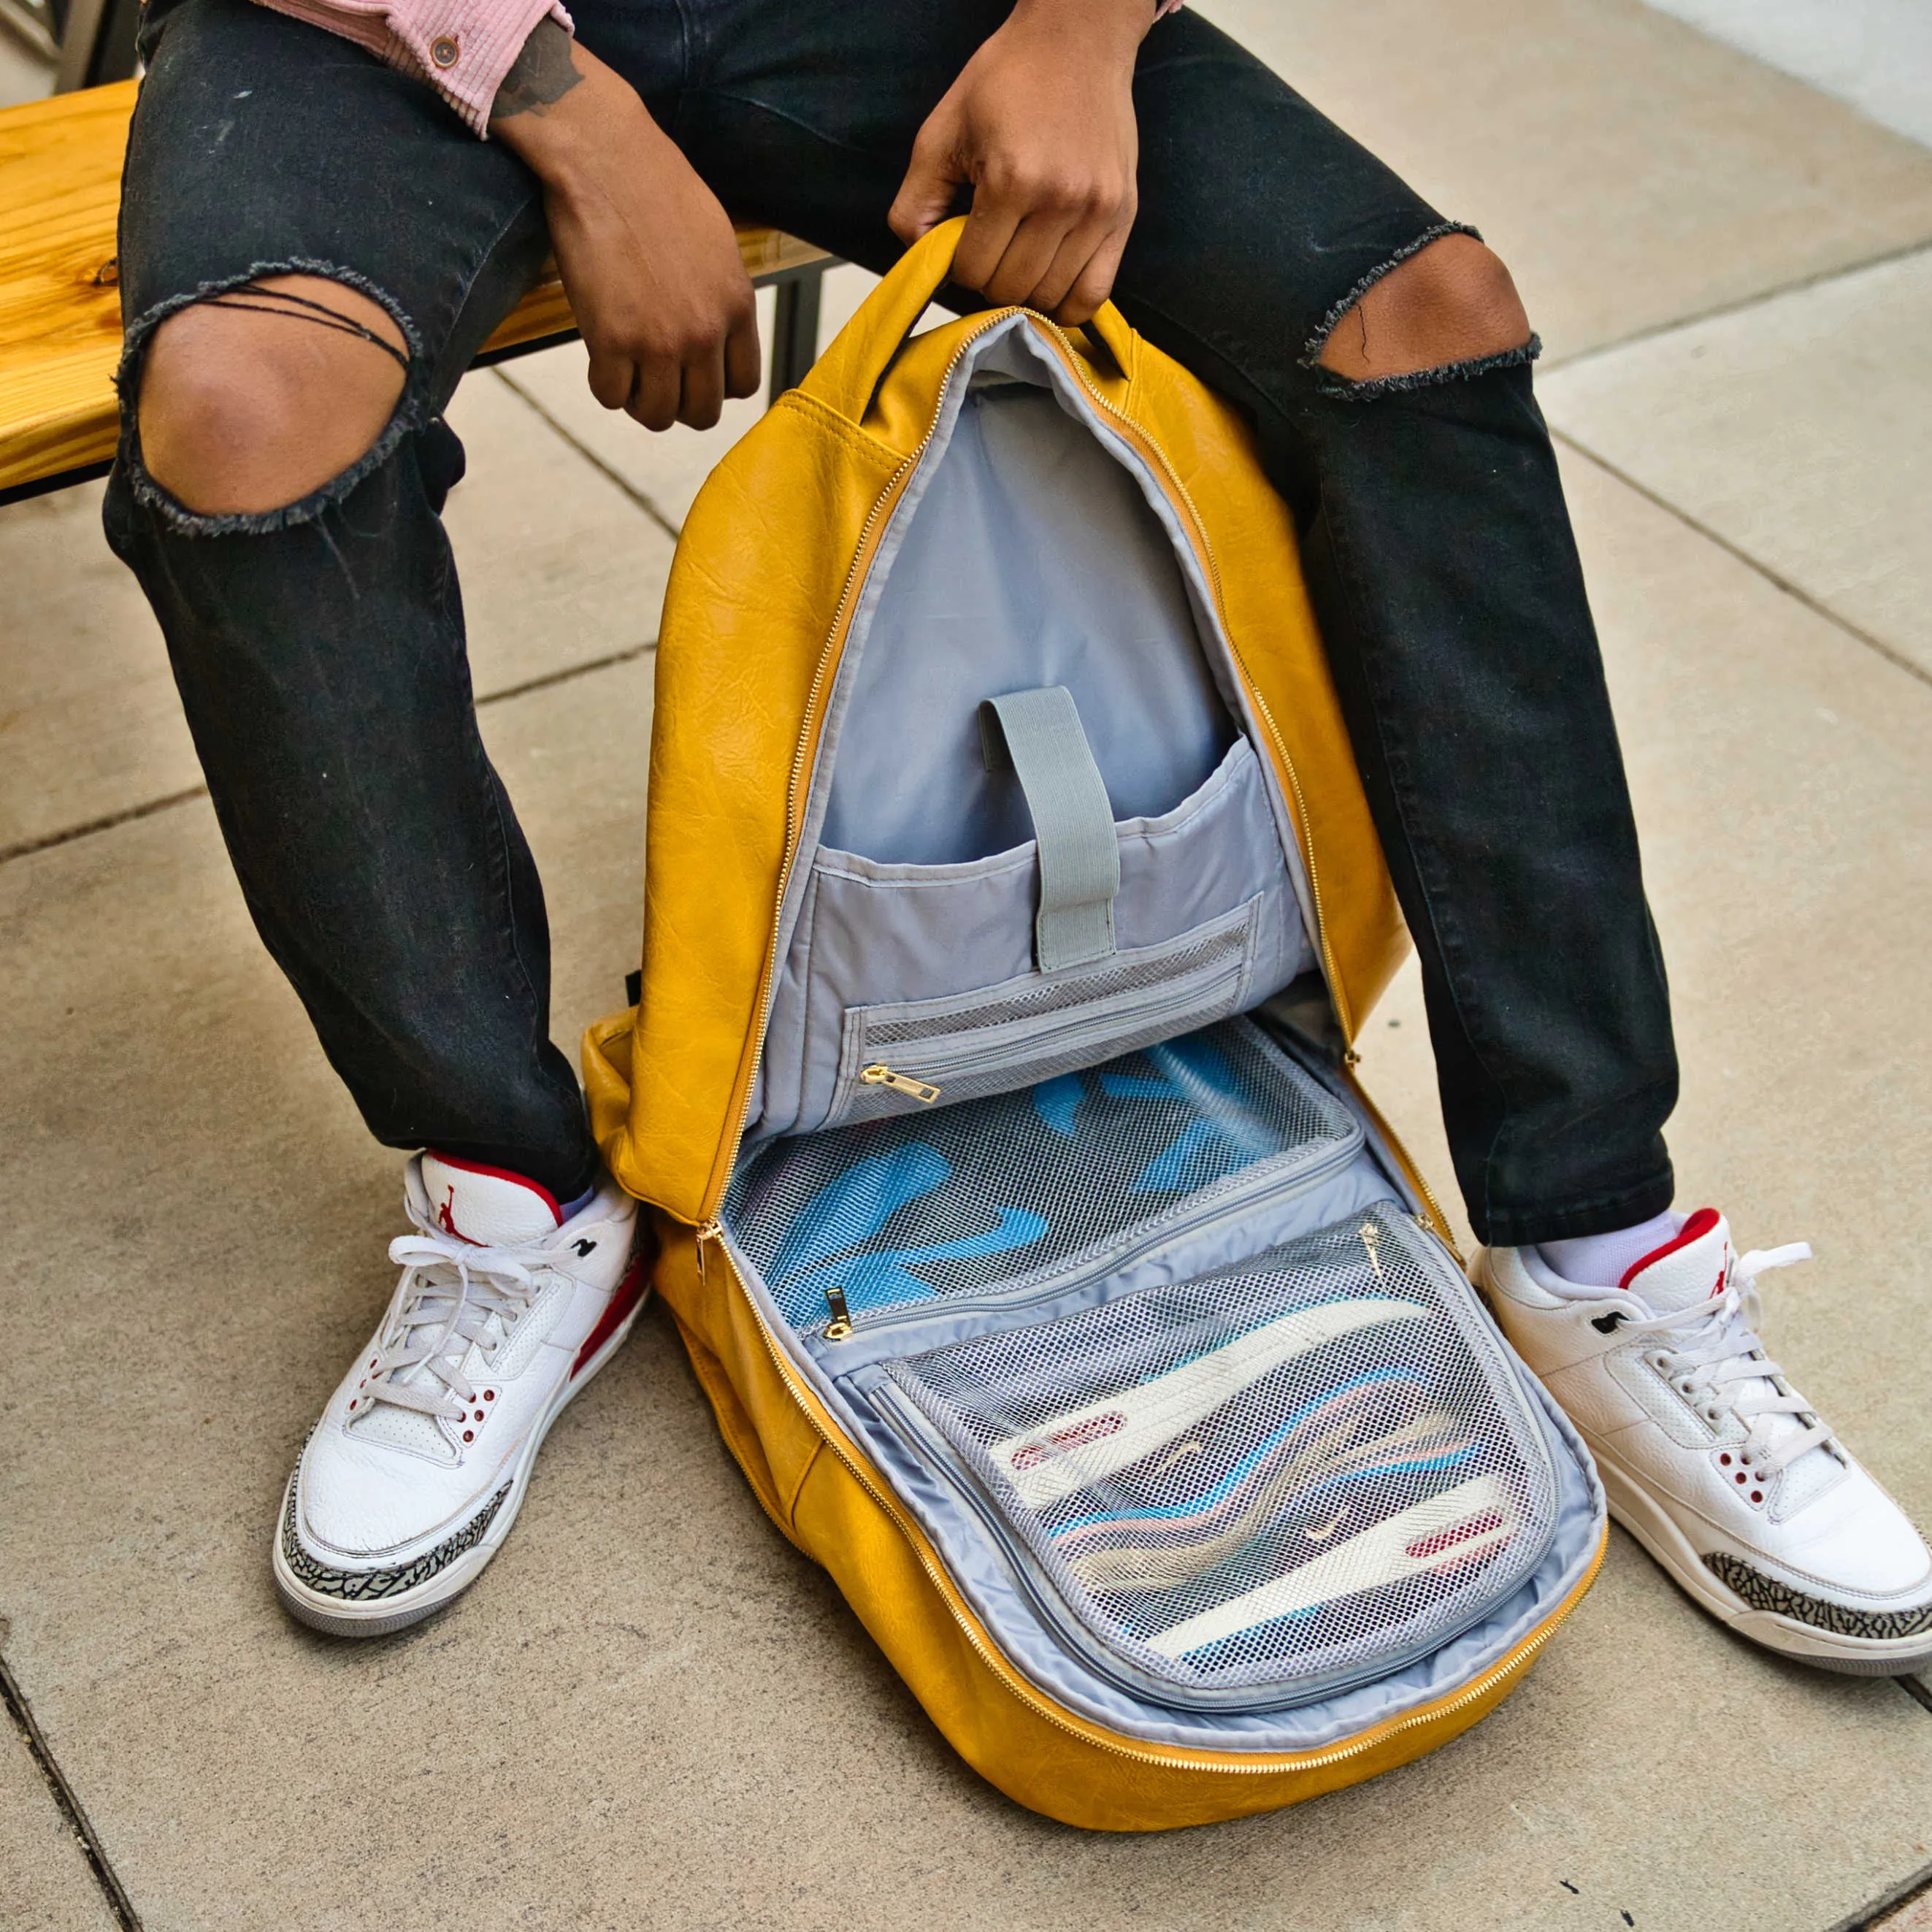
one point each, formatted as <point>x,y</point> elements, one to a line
<point>410,1483</point>
<point>1710,1458</point>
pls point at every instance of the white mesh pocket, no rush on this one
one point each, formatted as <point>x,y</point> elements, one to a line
<point>1264,1482</point>
<point>1015,1187</point>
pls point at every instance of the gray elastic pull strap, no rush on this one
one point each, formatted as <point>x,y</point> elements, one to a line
<point>1038,734</point>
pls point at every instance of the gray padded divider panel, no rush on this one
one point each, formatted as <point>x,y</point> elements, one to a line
<point>1037,734</point>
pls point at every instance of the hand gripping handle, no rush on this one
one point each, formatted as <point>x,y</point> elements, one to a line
<point>846,376</point>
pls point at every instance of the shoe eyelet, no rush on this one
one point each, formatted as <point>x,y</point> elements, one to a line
<point>1725,1459</point>
<point>489,1395</point>
<point>1757,1496</point>
<point>470,1436</point>
<point>1742,1477</point>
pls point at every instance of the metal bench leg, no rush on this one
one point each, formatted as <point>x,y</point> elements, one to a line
<point>97,43</point>
<point>795,331</point>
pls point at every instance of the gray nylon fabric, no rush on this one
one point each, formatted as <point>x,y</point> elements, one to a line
<point>1072,822</point>
<point>1031,559</point>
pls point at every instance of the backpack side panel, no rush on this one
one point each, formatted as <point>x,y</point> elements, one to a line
<point>736,657</point>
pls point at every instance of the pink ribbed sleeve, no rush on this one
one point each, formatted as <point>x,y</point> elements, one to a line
<point>462,48</point>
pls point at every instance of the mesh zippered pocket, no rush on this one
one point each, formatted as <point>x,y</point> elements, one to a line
<point>1254,1486</point>
<point>1042,1027</point>
<point>1018,1187</point>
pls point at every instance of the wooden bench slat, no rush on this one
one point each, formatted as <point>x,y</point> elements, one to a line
<point>60,312</point>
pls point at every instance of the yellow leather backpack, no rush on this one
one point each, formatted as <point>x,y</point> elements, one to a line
<point>1012,901</point>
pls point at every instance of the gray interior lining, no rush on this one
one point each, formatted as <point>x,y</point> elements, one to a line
<point>873,935</point>
<point>1032,560</point>
<point>1102,555</point>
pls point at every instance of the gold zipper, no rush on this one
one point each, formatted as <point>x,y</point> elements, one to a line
<point>839,1328</point>
<point>856,1466</point>
<point>879,1074</point>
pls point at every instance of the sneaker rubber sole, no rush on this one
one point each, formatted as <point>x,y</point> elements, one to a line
<point>382,1615</point>
<point>1651,1525</point>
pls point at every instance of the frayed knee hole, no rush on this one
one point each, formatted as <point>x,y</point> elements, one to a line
<point>1450,304</point>
<point>248,403</point>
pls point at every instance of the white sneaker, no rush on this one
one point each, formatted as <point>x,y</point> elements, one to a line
<point>1711,1461</point>
<point>410,1483</point>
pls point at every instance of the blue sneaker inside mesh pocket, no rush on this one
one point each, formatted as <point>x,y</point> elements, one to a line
<point>1001,1191</point>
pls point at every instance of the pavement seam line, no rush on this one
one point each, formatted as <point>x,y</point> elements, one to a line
<point>1797,594</point>
<point>1551,366</point>
<point>71,1809</point>
<point>46,840</point>
<point>1906,1890</point>
<point>1886,1903</point>
<point>607,471</point>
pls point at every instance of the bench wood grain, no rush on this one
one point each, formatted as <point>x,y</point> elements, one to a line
<point>60,311</point>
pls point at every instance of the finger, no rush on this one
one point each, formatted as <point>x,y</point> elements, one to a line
<point>743,363</point>
<point>1078,246</point>
<point>703,389</point>
<point>1095,282</point>
<point>612,377</point>
<point>989,230</point>
<point>660,388</point>
<point>1029,255</point>
<point>925,198</point>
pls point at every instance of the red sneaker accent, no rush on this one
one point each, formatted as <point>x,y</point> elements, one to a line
<point>630,1292</point>
<point>1699,1225</point>
<point>536,1187</point>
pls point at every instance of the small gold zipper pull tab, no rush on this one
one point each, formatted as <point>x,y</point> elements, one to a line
<point>878,1075</point>
<point>840,1326</point>
<point>707,1231</point>
<point>1372,1238</point>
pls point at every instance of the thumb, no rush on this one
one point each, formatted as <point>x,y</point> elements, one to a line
<point>926,196</point>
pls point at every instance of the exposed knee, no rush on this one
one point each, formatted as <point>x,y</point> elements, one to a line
<point>1452,302</point>
<point>244,409</point>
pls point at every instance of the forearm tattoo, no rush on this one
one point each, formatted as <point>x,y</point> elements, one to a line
<point>541,74</point>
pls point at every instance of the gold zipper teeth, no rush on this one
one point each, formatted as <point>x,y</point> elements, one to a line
<point>1518,1661</point>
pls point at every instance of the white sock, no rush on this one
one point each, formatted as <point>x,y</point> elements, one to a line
<point>1601,1261</point>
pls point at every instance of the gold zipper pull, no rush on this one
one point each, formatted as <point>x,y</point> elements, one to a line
<point>840,1326</point>
<point>878,1075</point>
<point>707,1231</point>
<point>1372,1236</point>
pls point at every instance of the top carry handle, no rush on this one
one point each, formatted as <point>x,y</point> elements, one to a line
<point>847,377</point>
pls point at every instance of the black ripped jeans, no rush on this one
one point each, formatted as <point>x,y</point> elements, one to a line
<point>319,649</point>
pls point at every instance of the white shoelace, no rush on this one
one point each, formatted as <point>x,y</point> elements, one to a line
<point>451,1292</point>
<point>1717,1349</point>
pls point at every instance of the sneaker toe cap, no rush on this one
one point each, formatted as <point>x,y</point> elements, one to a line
<point>1856,1539</point>
<point>359,1506</point>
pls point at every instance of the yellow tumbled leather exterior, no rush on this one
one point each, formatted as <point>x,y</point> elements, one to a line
<point>766,574</point>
